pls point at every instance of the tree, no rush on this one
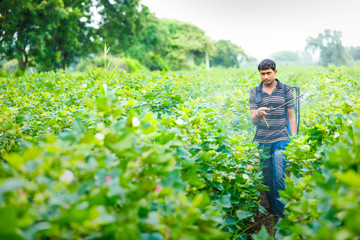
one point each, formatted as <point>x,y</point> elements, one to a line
<point>47,32</point>
<point>187,44</point>
<point>120,23</point>
<point>66,35</point>
<point>19,31</point>
<point>285,56</point>
<point>226,54</point>
<point>331,49</point>
<point>150,46</point>
<point>354,53</point>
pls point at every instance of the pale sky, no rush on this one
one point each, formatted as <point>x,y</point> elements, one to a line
<point>263,27</point>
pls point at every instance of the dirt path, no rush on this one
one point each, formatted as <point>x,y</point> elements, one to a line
<point>262,219</point>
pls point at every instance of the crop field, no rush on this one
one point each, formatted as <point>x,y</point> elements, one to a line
<point>165,155</point>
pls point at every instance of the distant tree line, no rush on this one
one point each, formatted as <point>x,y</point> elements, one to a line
<point>56,34</point>
<point>327,45</point>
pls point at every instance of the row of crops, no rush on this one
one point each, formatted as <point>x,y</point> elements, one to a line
<point>170,156</point>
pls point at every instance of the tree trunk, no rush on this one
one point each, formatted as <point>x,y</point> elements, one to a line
<point>63,60</point>
<point>23,62</point>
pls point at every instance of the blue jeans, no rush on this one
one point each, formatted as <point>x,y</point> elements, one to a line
<point>273,168</point>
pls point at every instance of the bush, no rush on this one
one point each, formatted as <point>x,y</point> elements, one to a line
<point>133,65</point>
<point>122,63</point>
<point>155,62</point>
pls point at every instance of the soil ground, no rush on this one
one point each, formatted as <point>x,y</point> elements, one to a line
<point>261,219</point>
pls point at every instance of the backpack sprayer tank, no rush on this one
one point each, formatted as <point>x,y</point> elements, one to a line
<point>297,108</point>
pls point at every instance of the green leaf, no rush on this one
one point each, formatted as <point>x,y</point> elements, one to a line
<point>9,185</point>
<point>7,220</point>
<point>119,145</point>
<point>184,155</point>
<point>262,234</point>
<point>231,221</point>
<point>165,137</point>
<point>225,201</point>
<point>103,90</point>
<point>174,180</point>
<point>38,227</point>
<point>347,100</point>
<point>201,200</point>
<point>243,214</point>
<point>78,128</point>
<point>67,135</point>
<point>350,178</point>
<point>156,236</point>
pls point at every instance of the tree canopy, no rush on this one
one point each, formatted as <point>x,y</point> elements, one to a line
<point>120,23</point>
<point>187,44</point>
<point>48,33</point>
<point>19,30</point>
<point>354,53</point>
<point>151,44</point>
<point>227,54</point>
<point>56,34</point>
<point>330,46</point>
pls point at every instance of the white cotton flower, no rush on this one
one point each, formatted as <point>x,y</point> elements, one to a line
<point>83,86</point>
<point>328,80</point>
<point>245,176</point>
<point>99,136</point>
<point>231,177</point>
<point>336,134</point>
<point>67,176</point>
<point>135,122</point>
<point>179,121</point>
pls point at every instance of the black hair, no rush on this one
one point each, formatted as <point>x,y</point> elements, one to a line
<point>266,64</point>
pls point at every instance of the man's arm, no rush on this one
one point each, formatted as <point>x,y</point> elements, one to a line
<point>292,122</point>
<point>256,114</point>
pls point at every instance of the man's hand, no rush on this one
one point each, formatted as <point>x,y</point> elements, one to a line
<point>256,114</point>
<point>262,111</point>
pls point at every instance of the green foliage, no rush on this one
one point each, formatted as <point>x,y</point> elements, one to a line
<point>262,235</point>
<point>151,45</point>
<point>322,206</point>
<point>66,135</point>
<point>226,54</point>
<point>120,23</point>
<point>155,62</point>
<point>103,185</point>
<point>49,33</point>
<point>169,156</point>
<point>187,44</point>
<point>113,63</point>
<point>56,34</point>
<point>65,34</point>
<point>354,53</point>
<point>319,197</point>
<point>134,65</point>
<point>19,33</point>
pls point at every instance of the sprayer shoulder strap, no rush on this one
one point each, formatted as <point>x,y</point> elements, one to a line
<point>285,87</point>
<point>258,97</point>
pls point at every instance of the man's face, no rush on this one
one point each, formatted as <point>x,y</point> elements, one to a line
<point>268,76</point>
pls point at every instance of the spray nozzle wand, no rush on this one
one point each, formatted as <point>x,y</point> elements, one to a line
<point>273,109</point>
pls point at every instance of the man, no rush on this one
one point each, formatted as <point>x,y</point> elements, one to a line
<point>271,130</point>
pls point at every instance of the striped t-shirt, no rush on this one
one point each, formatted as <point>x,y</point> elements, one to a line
<point>277,130</point>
